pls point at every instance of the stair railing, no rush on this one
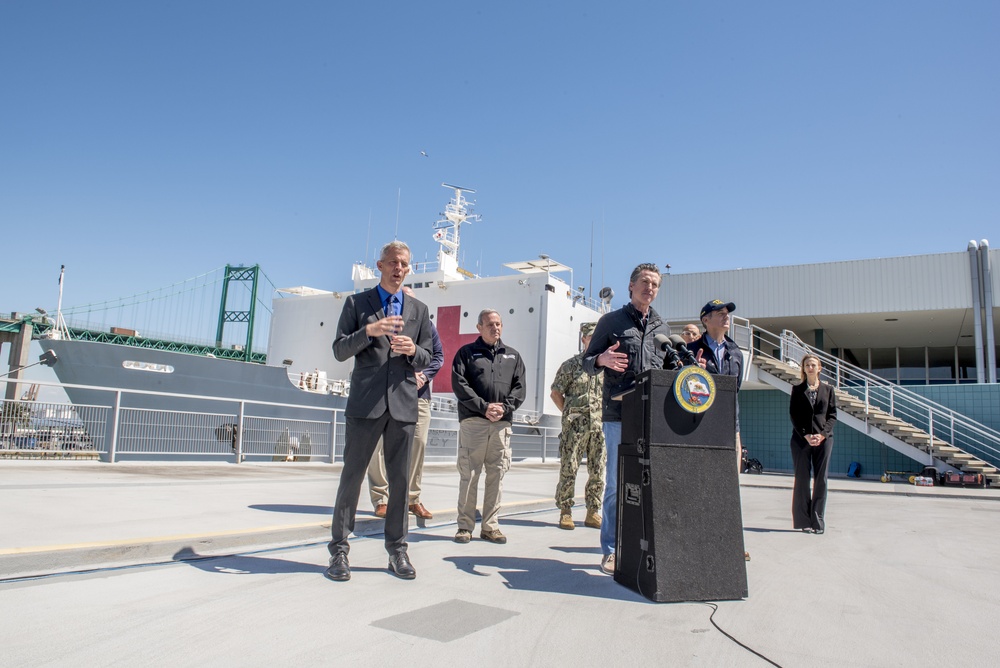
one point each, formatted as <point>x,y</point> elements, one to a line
<point>940,422</point>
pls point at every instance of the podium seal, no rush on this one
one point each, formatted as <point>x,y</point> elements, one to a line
<point>694,389</point>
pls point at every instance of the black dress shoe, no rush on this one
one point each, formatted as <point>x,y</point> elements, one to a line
<point>339,569</point>
<point>401,567</point>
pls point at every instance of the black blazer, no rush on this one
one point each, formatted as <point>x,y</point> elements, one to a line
<point>381,381</point>
<point>818,418</point>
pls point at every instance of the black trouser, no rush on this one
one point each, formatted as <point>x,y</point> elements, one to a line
<point>808,510</point>
<point>361,437</point>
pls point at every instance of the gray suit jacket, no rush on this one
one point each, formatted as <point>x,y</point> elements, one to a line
<point>381,381</point>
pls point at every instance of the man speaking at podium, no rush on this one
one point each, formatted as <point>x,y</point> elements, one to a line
<point>623,346</point>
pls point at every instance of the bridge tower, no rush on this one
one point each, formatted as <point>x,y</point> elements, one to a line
<point>243,275</point>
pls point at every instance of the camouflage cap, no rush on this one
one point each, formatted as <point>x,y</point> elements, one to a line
<point>587,328</point>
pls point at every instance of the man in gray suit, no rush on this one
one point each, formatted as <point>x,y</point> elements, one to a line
<point>389,336</point>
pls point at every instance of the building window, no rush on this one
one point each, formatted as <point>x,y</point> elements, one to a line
<point>967,364</point>
<point>882,363</point>
<point>941,365</point>
<point>912,366</point>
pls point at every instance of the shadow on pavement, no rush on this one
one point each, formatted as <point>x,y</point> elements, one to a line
<point>423,537</point>
<point>293,508</point>
<point>766,530</point>
<point>522,522</point>
<point>547,575</point>
<point>245,565</point>
<point>595,550</point>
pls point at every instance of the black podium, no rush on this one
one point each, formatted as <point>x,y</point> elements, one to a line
<point>680,525</point>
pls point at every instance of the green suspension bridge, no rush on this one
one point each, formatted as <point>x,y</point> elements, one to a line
<point>232,300</point>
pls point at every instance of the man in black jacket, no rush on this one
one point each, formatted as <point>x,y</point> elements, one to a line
<point>623,347</point>
<point>487,378</point>
<point>719,354</point>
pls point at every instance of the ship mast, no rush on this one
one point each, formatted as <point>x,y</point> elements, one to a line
<point>448,230</point>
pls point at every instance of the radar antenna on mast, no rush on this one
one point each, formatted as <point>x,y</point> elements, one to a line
<point>448,230</point>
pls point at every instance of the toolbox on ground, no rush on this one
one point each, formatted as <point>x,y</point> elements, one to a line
<point>960,479</point>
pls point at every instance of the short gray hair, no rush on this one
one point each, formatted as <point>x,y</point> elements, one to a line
<point>485,313</point>
<point>394,245</point>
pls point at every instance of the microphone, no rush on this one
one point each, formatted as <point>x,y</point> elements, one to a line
<point>681,347</point>
<point>671,360</point>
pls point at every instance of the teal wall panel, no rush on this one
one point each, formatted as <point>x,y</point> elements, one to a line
<point>980,402</point>
<point>766,431</point>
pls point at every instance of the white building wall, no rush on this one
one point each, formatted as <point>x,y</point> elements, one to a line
<point>914,283</point>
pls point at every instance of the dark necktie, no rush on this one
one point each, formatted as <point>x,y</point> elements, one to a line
<point>392,305</point>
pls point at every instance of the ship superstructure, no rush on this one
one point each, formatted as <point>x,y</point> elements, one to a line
<point>541,312</point>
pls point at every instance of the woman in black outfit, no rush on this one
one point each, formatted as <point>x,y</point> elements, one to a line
<point>813,409</point>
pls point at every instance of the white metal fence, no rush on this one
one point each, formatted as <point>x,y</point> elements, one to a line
<point>224,430</point>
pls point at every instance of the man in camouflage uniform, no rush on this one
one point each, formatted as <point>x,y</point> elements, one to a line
<point>578,395</point>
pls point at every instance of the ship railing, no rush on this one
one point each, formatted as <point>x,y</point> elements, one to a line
<point>444,405</point>
<point>425,267</point>
<point>416,268</point>
<point>116,425</point>
<point>598,305</point>
<point>318,383</point>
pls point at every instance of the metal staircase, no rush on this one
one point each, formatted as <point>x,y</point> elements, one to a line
<point>903,420</point>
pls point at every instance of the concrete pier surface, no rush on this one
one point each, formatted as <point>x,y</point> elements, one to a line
<point>223,564</point>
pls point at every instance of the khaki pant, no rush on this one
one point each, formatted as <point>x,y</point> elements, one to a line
<point>378,486</point>
<point>482,445</point>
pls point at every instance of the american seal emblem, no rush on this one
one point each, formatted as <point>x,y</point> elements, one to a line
<point>694,389</point>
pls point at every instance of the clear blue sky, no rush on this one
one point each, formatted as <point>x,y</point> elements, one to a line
<point>143,143</point>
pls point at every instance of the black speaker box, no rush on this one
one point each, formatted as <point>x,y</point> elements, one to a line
<point>680,525</point>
